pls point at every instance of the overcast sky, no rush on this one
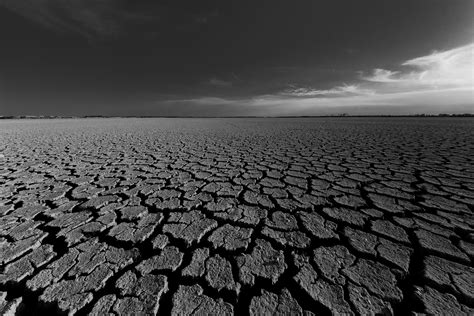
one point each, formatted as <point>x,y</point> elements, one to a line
<point>225,58</point>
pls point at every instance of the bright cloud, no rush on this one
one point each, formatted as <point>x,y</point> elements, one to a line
<point>425,97</point>
<point>451,68</point>
<point>336,91</point>
<point>415,102</point>
<point>383,75</point>
<point>442,82</point>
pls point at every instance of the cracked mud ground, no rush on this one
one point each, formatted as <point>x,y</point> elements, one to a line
<point>237,216</point>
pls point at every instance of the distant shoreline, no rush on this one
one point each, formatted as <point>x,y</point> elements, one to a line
<point>22,117</point>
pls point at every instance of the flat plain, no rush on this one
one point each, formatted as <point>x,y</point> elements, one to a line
<point>237,216</point>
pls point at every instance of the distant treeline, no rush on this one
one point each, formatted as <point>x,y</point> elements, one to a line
<point>151,116</point>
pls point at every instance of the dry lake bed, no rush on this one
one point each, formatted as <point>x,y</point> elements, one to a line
<point>235,216</point>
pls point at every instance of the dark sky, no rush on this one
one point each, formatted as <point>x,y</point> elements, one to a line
<point>143,57</point>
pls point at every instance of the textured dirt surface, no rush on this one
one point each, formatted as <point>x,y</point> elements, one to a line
<point>237,216</point>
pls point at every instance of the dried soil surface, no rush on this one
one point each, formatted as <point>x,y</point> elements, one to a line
<point>237,216</point>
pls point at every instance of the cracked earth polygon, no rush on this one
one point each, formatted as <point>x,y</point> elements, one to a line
<point>237,216</point>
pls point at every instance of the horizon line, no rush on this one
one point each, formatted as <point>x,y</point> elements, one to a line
<point>5,117</point>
